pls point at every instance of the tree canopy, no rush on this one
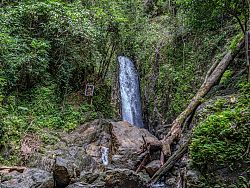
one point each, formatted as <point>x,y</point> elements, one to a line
<point>213,13</point>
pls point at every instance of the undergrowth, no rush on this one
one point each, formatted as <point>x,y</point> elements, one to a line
<point>41,115</point>
<point>222,139</point>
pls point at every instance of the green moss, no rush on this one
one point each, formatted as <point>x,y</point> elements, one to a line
<point>223,137</point>
<point>236,40</point>
<point>226,77</point>
<point>219,105</point>
<point>48,138</point>
<point>221,140</point>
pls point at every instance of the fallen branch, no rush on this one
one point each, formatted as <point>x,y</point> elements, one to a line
<point>170,163</point>
<point>143,163</point>
<point>146,152</point>
<point>213,76</point>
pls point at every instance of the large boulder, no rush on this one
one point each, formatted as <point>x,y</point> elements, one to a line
<point>152,167</point>
<point>127,144</point>
<point>116,178</point>
<point>95,147</point>
<point>26,179</point>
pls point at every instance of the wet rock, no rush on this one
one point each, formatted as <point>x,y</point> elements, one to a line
<point>62,172</point>
<point>81,149</point>
<point>89,177</point>
<point>172,182</point>
<point>162,130</point>
<point>193,178</point>
<point>160,185</point>
<point>152,167</point>
<point>128,143</point>
<point>184,161</point>
<point>29,178</point>
<point>120,178</point>
<point>82,185</point>
<point>175,170</point>
<point>77,159</point>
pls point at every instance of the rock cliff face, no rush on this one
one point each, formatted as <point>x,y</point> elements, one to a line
<point>28,178</point>
<point>77,160</point>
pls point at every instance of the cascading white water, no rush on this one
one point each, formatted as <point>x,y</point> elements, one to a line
<point>130,92</point>
<point>105,154</point>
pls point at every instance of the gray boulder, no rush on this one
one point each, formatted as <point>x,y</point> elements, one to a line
<point>115,178</point>
<point>29,178</point>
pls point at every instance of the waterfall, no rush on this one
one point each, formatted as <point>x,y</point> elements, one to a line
<point>130,92</point>
<point>105,154</point>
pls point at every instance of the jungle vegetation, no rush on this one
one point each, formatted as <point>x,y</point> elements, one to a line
<point>49,50</point>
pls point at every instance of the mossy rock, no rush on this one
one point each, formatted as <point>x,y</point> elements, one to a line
<point>220,142</point>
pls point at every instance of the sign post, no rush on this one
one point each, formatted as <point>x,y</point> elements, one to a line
<point>89,91</point>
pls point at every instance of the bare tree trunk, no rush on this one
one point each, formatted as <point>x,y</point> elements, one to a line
<point>170,162</point>
<point>213,76</point>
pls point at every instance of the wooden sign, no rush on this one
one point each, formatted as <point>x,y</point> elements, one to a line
<point>89,90</point>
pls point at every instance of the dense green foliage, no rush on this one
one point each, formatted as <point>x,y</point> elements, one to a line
<point>42,113</point>
<point>183,62</point>
<point>222,138</point>
<point>51,48</point>
<point>226,133</point>
<point>66,43</point>
<point>213,14</point>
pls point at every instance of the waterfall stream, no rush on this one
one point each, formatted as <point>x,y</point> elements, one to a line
<point>130,92</point>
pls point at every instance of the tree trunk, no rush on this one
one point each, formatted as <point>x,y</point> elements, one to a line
<point>170,162</point>
<point>213,76</point>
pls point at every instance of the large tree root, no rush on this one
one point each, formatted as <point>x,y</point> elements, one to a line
<point>213,76</point>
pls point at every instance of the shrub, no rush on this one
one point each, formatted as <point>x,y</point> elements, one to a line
<point>223,137</point>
